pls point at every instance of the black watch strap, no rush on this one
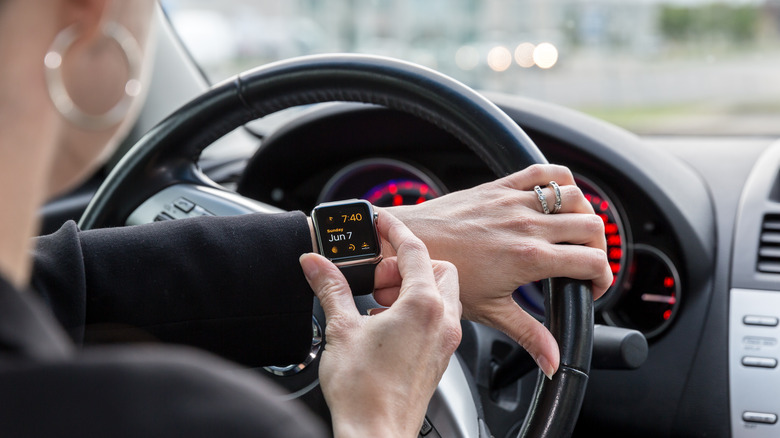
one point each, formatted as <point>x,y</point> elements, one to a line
<point>360,278</point>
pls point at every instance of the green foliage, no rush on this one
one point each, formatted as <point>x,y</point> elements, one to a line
<point>734,23</point>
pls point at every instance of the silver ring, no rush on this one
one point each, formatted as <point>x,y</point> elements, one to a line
<point>542,199</point>
<point>558,200</point>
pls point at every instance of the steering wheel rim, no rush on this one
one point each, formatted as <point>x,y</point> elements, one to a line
<point>168,155</point>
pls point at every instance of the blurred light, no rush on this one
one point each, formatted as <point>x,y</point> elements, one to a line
<point>524,55</point>
<point>467,58</point>
<point>499,58</point>
<point>545,55</point>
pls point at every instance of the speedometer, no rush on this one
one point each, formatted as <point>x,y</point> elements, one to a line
<point>383,182</point>
<point>400,192</point>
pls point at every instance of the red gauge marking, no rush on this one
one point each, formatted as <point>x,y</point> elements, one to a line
<point>400,192</point>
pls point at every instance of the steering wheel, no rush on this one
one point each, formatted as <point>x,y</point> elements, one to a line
<point>167,156</point>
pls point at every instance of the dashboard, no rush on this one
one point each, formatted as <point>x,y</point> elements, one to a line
<point>659,219</point>
<point>374,160</point>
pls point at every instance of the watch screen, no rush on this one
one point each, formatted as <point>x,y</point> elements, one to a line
<point>346,231</point>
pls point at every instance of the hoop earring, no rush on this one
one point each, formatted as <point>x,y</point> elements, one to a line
<point>59,94</point>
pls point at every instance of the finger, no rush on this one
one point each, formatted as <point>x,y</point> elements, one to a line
<point>530,334</point>
<point>387,274</point>
<point>577,229</point>
<point>387,282</point>
<point>571,261</point>
<point>538,174</point>
<point>414,263</point>
<point>387,296</point>
<point>572,199</point>
<point>446,275</point>
<point>330,286</point>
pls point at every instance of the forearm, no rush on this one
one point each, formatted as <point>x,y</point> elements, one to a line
<point>218,283</point>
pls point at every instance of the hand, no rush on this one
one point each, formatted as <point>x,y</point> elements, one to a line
<point>498,237</point>
<point>379,372</point>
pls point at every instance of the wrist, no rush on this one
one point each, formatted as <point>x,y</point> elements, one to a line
<point>348,426</point>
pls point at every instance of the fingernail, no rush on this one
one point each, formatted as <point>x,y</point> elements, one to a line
<point>545,366</point>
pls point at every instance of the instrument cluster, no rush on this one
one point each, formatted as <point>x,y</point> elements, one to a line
<point>645,294</point>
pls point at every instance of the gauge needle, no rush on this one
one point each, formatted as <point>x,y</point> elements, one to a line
<point>655,298</point>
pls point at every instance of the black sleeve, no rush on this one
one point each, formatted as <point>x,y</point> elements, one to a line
<point>230,285</point>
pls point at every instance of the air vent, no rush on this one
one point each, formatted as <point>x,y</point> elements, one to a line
<point>769,246</point>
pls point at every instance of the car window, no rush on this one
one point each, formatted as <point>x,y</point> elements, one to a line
<point>654,67</point>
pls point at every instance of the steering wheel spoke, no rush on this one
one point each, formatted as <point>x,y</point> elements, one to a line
<point>189,200</point>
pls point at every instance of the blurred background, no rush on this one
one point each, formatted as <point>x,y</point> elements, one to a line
<point>654,67</point>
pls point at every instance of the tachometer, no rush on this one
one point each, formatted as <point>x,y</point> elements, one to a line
<point>614,229</point>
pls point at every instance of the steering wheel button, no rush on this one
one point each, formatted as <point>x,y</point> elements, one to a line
<point>184,205</point>
<point>759,417</point>
<point>759,362</point>
<point>426,427</point>
<point>200,211</point>
<point>763,321</point>
<point>163,217</point>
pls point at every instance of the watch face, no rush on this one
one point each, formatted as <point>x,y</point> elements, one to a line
<point>346,231</point>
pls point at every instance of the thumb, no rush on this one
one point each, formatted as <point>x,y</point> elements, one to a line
<point>531,335</point>
<point>330,286</point>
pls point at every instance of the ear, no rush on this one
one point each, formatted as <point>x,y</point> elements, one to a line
<point>86,14</point>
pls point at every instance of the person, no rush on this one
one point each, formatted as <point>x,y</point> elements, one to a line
<point>145,281</point>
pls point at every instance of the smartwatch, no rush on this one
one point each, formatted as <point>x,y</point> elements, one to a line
<point>347,236</point>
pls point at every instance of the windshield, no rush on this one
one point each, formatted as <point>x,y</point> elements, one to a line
<point>653,67</point>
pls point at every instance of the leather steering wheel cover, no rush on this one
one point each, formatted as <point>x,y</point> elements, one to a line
<point>168,155</point>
